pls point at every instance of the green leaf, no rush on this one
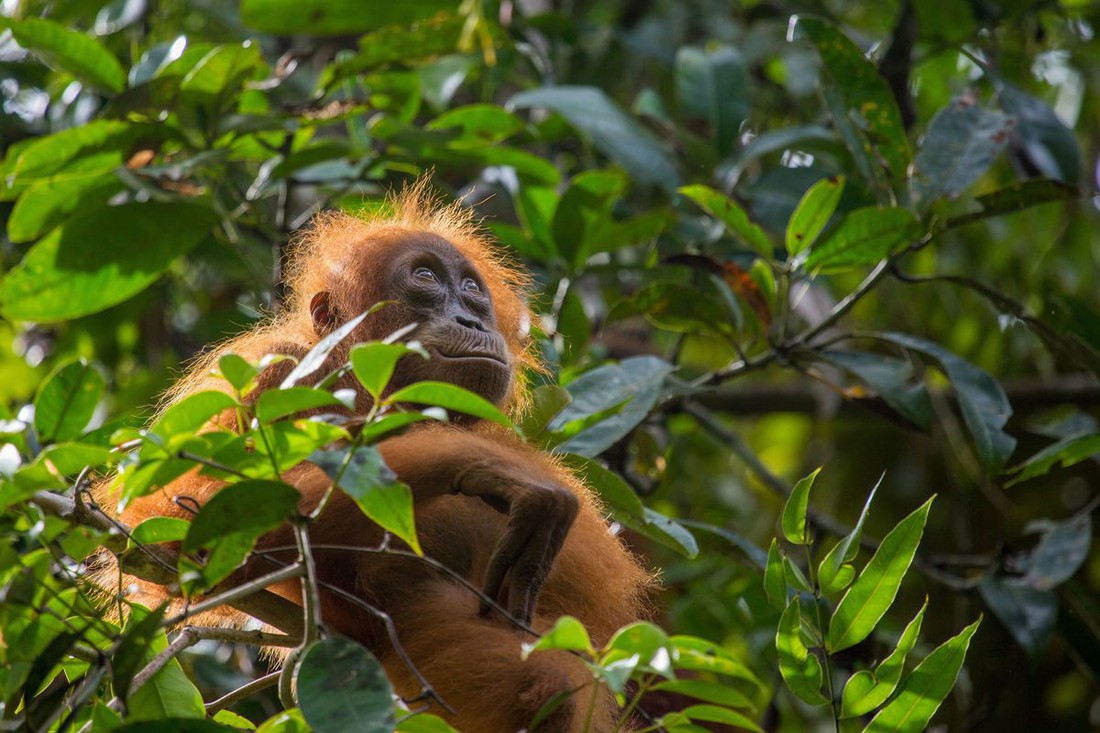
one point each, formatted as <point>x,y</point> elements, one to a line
<point>866,690</point>
<point>699,655</point>
<point>893,380</point>
<point>715,714</point>
<point>800,670</point>
<point>546,402</point>
<point>69,459</point>
<point>450,397</point>
<point>101,257</point>
<point>133,647</point>
<point>712,692</point>
<point>365,477</point>
<point>232,720</point>
<point>775,579</point>
<point>835,571</point>
<point>730,213</point>
<point>80,55</point>
<point>1061,551</point>
<point>794,511</point>
<point>925,688</point>
<point>389,44</point>
<point>1046,141</point>
<point>374,363</point>
<point>424,723</point>
<point>190,414</point>
<point>1016,197</point>
<point>583,214</point>
<point>812,213</point>
<point>237,371</point>
<point>66,401</point>
<point>864,237</point>
<point>618,135</point>
<point>862,105</point>
<point>334,17</point>
<point>983,402</point>
<point>288,721</point>
<point>617,396</point>
<point>1066,452</point>
<point>477,124</point>
<point>342,687</point>
<point>567,634</point>
<point>318,355</point>
<point>667,532</point>
<point>159,529</point>
<point>712,84</point>
<point>376,430</point>
<point>962,142</point>
<point>276,403</point>
<point>865,603</point>
<point>227,528</point>
<point>612,490</point>
<point>49,202</point>
<point>84,153</point>
<point>706,307</point>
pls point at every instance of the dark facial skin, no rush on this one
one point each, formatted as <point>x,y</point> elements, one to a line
<point>435,287</point>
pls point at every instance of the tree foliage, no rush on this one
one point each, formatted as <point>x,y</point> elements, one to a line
<point>762,240</point>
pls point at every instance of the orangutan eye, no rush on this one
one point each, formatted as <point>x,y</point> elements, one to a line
<point>425,273</point>
<point>471,286</point>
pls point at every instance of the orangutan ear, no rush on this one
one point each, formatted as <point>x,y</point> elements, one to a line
<point>323,312</point>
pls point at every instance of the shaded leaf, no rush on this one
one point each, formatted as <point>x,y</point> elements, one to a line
<point>1048,144</point>
<point>82,56</point>
<point>342,687</point>
<point>712,84</point>
<point>1061,551</point>
<point>66,274</point>
<point>1016,197</point>
<point>893,380</point>
<point>584,213</point>
<point>962,142</point>
<point>1065,452</point>
<point>334,17</point>
<point>983,402</point>
<point>614,132</point>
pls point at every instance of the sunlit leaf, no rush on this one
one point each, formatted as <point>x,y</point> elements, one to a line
<point>835,571</point>
<point>813,213</point>
<point>730,213</point>
<point>864,237</point>
<point>277,403</point>
<point>873,592</point>
<point>866,690</point>
<point>775,579</point>
<point>449,397</point>
<point>81,55</point>
<point>925,688</point>
<point>794,510</point>
<point>800,669</point>
<point>567,633</point>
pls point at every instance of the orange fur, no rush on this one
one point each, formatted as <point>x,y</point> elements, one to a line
<point>472,661</point>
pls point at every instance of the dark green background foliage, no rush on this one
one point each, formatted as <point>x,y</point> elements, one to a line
<point>766,236</point>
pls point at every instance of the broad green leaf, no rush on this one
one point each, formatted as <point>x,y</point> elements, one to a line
<point>1016,197</point>
<point>402,44</point>
<point>669,533</point>
<point>87,152</point>
<point>132,650</point>
<point>424,723</point>
<point>378,429</point>
<point>707,307</point>
<point>893,380</point>
<point>1066,452</point>
<point>812,213</point>
<point>866,690</point>
<point>334,17</point>
<point>190,414</point>
<point>712,84</point>
<point>794,575</point>
<point>168,699</point>
<point>232,720</point>
<point>227,528</point>
<point>159,529</point>
<point>700,655</point>
<point>983,402</point>
<point>862,105</point>
<point>319,354</point>
<point>1046,141</point>
<point>730,213</point>
<point>583,214</point>
<point>712,692</point>
<point>49,202</point>
<point>450,397</point>
<point>644,644</point>
<point>1030,614</point>
<point>617,396</point>
<point>82,56</point>
<point>864,237</point>
<point>612,490</point>
<point>69,459</point>
<point>374,363</point>
<point>276,449</point>
<point>618,135</point>
<point>873,592</point>
<point>213,81</point>
<point>478,124</point>
<point>546,402</point>
<point>715,714</point>
<point>925,688</point>
<point>775,579</point>
<point>101,257</point>
<point>237,371</point>
<point>567,633</point>
<point>800,669</point>
<point>364,476</point>
<point>794,511</point>
<point>962,142</point>
<point>835,571</point>
<point>342,687</point>
<point>66,401</point>
<point>277,403</point>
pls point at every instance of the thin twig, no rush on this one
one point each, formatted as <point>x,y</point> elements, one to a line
<point>237,593</point>
<point>262,683</point>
